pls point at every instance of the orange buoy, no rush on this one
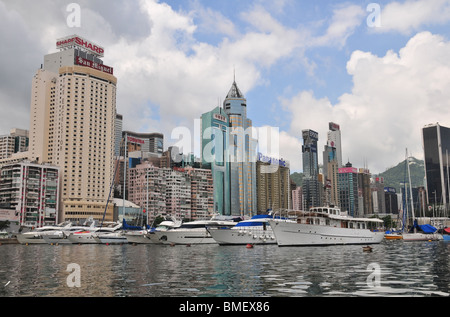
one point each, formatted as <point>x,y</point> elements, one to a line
<point>249,246</point>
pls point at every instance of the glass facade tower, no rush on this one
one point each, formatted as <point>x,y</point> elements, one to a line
<point>214,140</point>
<point>242,154</point>
<point>436,145</point>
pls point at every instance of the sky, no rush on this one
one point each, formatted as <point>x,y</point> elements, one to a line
<point>381,70</point>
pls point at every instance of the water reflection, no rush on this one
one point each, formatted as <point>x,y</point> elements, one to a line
<point>405,269</point>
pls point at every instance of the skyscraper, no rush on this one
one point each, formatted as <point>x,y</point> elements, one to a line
<point>334,140</point>
<point>348,189</point>
<point>215,139</point>
<point>436,145</point>
<point>73,113</point>
<point>311,190</point>
<point>242,154</point>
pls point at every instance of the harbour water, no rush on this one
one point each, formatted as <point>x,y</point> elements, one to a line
<point>393,268</point>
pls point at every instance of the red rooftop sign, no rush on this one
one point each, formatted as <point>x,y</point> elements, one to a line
<point>85,62</point>
<point>75,40</point>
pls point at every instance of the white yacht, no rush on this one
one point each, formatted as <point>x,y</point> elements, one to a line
<point>138,237</point>
<point>62,236</point>
<point>194,232</point>
<point>111,235</point>
<point>326,226</point>
<point>256,230</point>
<point>36,236</point>
<point>92,236</point>
<point>165,225</point>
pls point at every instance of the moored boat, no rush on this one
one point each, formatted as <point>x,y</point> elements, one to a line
<point>393,236</point>
<point>195,232</point>
<point>326,226</point>
<point>36,236</point>
<point>256,230</point>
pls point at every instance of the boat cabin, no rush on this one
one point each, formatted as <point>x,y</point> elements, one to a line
<point>334,217</point>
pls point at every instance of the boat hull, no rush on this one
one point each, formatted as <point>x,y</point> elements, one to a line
<point>84,238</point>
<point>30,239</point>
<point>296,234</point>
<point>57,239</point>
<point>139,238</point>
<point>393,236</point>
<point>185,237</point>
<point>422,237</point>
<point>243,236</point>
<point>112,238</point>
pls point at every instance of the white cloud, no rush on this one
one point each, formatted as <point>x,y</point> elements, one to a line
<point>343,23</point>
<point>392,98</point>
<point>166,76</point>
<point>411,15</point>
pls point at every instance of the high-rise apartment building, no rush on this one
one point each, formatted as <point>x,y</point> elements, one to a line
<point>436,146</point>
<point>273,184</point>
<point>215,143</point>
<point>178,192</point>
<point>32,191</point>
<point>311,184</point>
<point>14,142</point>
<point>242,154</point>
<point>73,113</point>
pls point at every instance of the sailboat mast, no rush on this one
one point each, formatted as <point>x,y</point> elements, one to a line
<point>410,188</point>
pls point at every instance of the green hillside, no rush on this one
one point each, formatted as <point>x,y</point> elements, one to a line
<point>396,175</point>
<point>393,176</point>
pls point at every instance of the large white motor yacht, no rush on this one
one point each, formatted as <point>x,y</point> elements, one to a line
<point>326,226</point>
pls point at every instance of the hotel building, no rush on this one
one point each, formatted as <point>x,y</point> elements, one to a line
<point>73,113</point>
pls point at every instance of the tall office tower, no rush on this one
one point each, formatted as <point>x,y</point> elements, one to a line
<point>436,145</point>
<point>214,155</point>
<point>330,172</point>
<point>365,204</point>
<point>334,140</point>
<point>242,154</point>
<point>348,189</point>
<point>378,196</point>
<point>311,190</point>
<point>73,113</point>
